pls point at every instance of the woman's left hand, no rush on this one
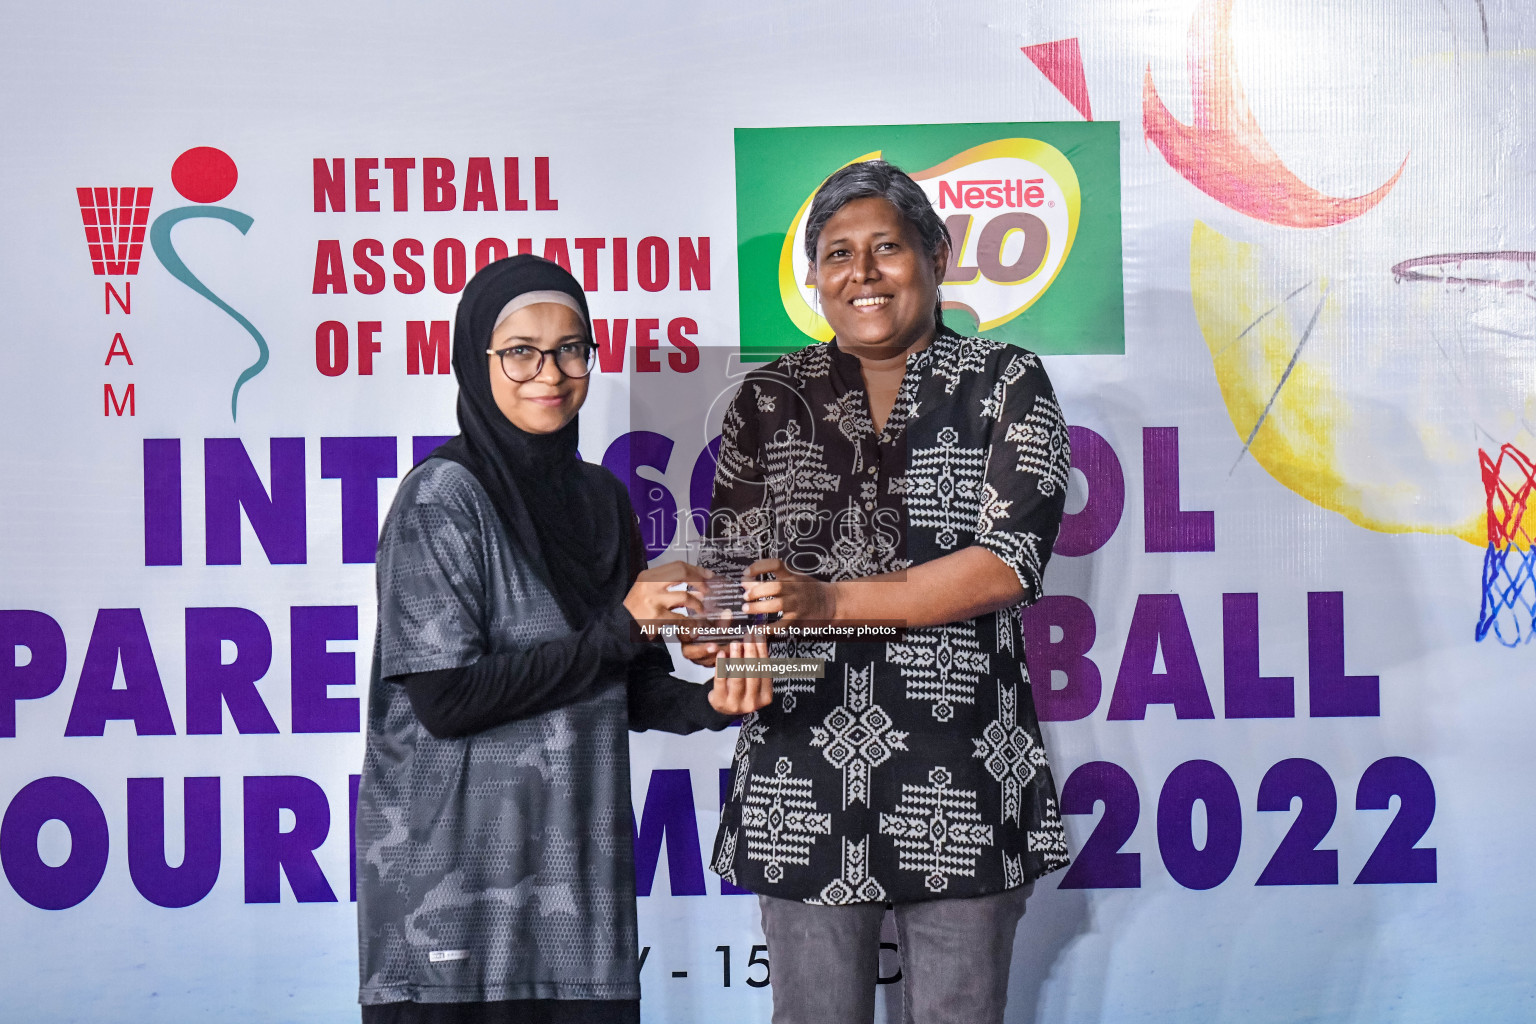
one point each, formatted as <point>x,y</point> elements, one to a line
<point>800,598</point>
<point>741,696</point>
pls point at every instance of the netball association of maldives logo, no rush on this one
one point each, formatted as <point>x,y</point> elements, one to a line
<point>116,223</point>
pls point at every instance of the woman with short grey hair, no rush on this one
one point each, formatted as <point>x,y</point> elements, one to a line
<point>878,179</point>
<point>898,473</point>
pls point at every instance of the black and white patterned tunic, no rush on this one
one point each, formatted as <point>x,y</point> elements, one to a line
<point>915,769</point>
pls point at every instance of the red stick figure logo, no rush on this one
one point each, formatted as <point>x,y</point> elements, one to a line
<point>205,175</point>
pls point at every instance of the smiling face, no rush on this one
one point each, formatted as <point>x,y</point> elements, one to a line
<point>877,287</point>
<point>547,402</point>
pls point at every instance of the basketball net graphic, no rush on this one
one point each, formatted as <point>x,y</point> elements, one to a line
<point>114,227</point>
<point>1509,566</point>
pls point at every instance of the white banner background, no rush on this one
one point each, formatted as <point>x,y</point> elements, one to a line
<point>634,106</point>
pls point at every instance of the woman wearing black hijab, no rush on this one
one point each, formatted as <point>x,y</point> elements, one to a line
<point>495,880</point>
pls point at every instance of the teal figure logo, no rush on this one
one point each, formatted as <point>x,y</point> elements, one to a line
<point>205,175</point>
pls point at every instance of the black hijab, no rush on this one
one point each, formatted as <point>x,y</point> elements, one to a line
<point>572,519</point>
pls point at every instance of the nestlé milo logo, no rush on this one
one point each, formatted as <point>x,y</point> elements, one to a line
<point>1034,234</point>
<point>1011,207</point>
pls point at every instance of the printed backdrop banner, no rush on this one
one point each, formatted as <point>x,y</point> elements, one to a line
<point>1278,257</point>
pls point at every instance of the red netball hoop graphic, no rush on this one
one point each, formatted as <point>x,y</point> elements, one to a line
<point>1509,565</point>
<point>114,227</point>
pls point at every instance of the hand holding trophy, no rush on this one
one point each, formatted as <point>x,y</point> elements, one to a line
<point>737,695</point>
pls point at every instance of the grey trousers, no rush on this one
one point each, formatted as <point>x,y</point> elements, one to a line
<point>955,956</point>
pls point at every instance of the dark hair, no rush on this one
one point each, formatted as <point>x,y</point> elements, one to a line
<point>878,179</point>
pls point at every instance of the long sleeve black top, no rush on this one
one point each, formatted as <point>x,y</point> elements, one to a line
<point>511,685</point>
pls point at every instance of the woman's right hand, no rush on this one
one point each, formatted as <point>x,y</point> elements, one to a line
<point>653,597</point>
<point>733,695</point>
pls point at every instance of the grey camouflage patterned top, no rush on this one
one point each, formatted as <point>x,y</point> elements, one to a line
<point>495,866</point>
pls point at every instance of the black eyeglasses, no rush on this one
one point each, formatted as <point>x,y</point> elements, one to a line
<point>522,363</point>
